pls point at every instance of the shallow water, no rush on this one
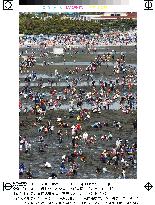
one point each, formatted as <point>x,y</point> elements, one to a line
<point>23,76</point>
<point>70,63</point>
<point>64,84</point>
<point>100,51</point>
<point>113,106</point>
<point>59,84</point>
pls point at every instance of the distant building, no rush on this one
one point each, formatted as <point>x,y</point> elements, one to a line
<point>109,16</point>
<point>87,17</point>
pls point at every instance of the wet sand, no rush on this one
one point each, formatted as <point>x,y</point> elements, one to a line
<point>54,151</point>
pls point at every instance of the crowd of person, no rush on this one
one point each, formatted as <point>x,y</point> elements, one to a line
<point>82,96</point>
<point>104,39</point>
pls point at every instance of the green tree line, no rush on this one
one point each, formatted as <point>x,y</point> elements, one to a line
<point>31,24</point>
